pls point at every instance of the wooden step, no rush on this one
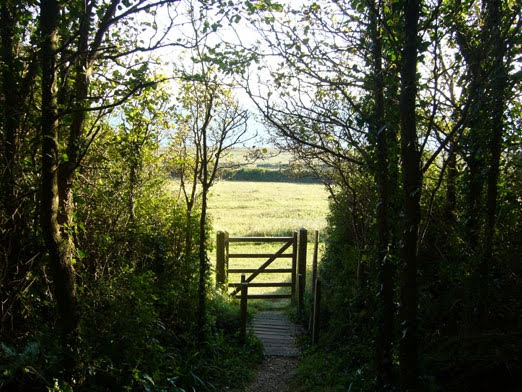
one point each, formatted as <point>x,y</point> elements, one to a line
<point>276,333</point>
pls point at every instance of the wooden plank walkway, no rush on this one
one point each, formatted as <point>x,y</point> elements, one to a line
<point>277,333</point>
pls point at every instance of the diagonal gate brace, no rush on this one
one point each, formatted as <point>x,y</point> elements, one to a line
<point>265,264</point>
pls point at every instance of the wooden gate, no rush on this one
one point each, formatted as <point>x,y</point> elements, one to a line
<point>296,270</point>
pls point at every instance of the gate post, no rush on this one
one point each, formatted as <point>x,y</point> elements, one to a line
<point>294,266</point>
<point>314,278</point>
<point>227,244</point>
<point>301,266</point>
<point>220,259</point>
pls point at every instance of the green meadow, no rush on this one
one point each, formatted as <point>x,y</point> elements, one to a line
<point>267,209</point>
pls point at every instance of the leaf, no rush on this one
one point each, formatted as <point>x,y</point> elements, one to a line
<point>8,350</point>
<point>149,379</point>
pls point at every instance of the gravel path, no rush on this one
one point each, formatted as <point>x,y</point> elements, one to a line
<point>279,366</point>
<point>274,375</point>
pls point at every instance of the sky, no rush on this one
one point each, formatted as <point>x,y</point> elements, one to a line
<point>175,57</point>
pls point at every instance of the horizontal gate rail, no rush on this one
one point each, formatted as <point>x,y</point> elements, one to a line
<point>257,255</point>
<point>268,270</point>
<point>265,296</point>
<point>263,284</point>
<point>260,239</point>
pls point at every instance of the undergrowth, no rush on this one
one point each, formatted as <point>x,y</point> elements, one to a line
<point>137,352</point>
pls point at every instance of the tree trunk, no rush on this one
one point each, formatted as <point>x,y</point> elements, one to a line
<point>472,49</point>
<point>205,185</point>
<point>133,179</point>
<point>203,268</point>
<point>58,246</point>
<point>10,107</point>
<point>450,203</point>
<point>203,262</point>
<point>67,168</point>
<point>382,178</point>
<point>497,89</point>
<point>411,182</point>
<point>475,187</point>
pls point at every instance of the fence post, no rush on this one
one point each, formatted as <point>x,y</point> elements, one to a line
<point>227,251</point>
<point>220,259</point>
<point>314,276</point>
<point>301,266</point>
<point>314,261</point>
<point>294,265</point>
<point>299,297</point>
<point>244,294</point>
<point>316,312</point>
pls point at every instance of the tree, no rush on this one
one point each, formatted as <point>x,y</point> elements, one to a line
<point>383,137</point>
<point>487,43</point>
<point>57,241</point>
<point>212,123</point>
<point>72,49</point>
<point>499,25</point>
<point>144,121</point>
<point>411,183</point>
<point>329,94</point>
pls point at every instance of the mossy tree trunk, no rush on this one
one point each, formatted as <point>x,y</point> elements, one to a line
<point>411,182</point>
<point>56,239</point>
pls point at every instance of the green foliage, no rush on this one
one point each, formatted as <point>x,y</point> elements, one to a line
<point>343,359</point>
<point>136,241</point>
<point>128,345</point>
<point>451,357</point>
<point>268,175</point>
<point>335,370</point>
<point>137,271</point>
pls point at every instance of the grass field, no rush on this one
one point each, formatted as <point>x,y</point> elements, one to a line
<point>266,209</point>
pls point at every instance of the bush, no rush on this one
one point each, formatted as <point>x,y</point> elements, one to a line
<point>137,279</point>
<point>343,359</point>
<point>267,175</point>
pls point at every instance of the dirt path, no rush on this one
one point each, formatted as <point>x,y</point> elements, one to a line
<point>279,366</point>
<point>274,375</point>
